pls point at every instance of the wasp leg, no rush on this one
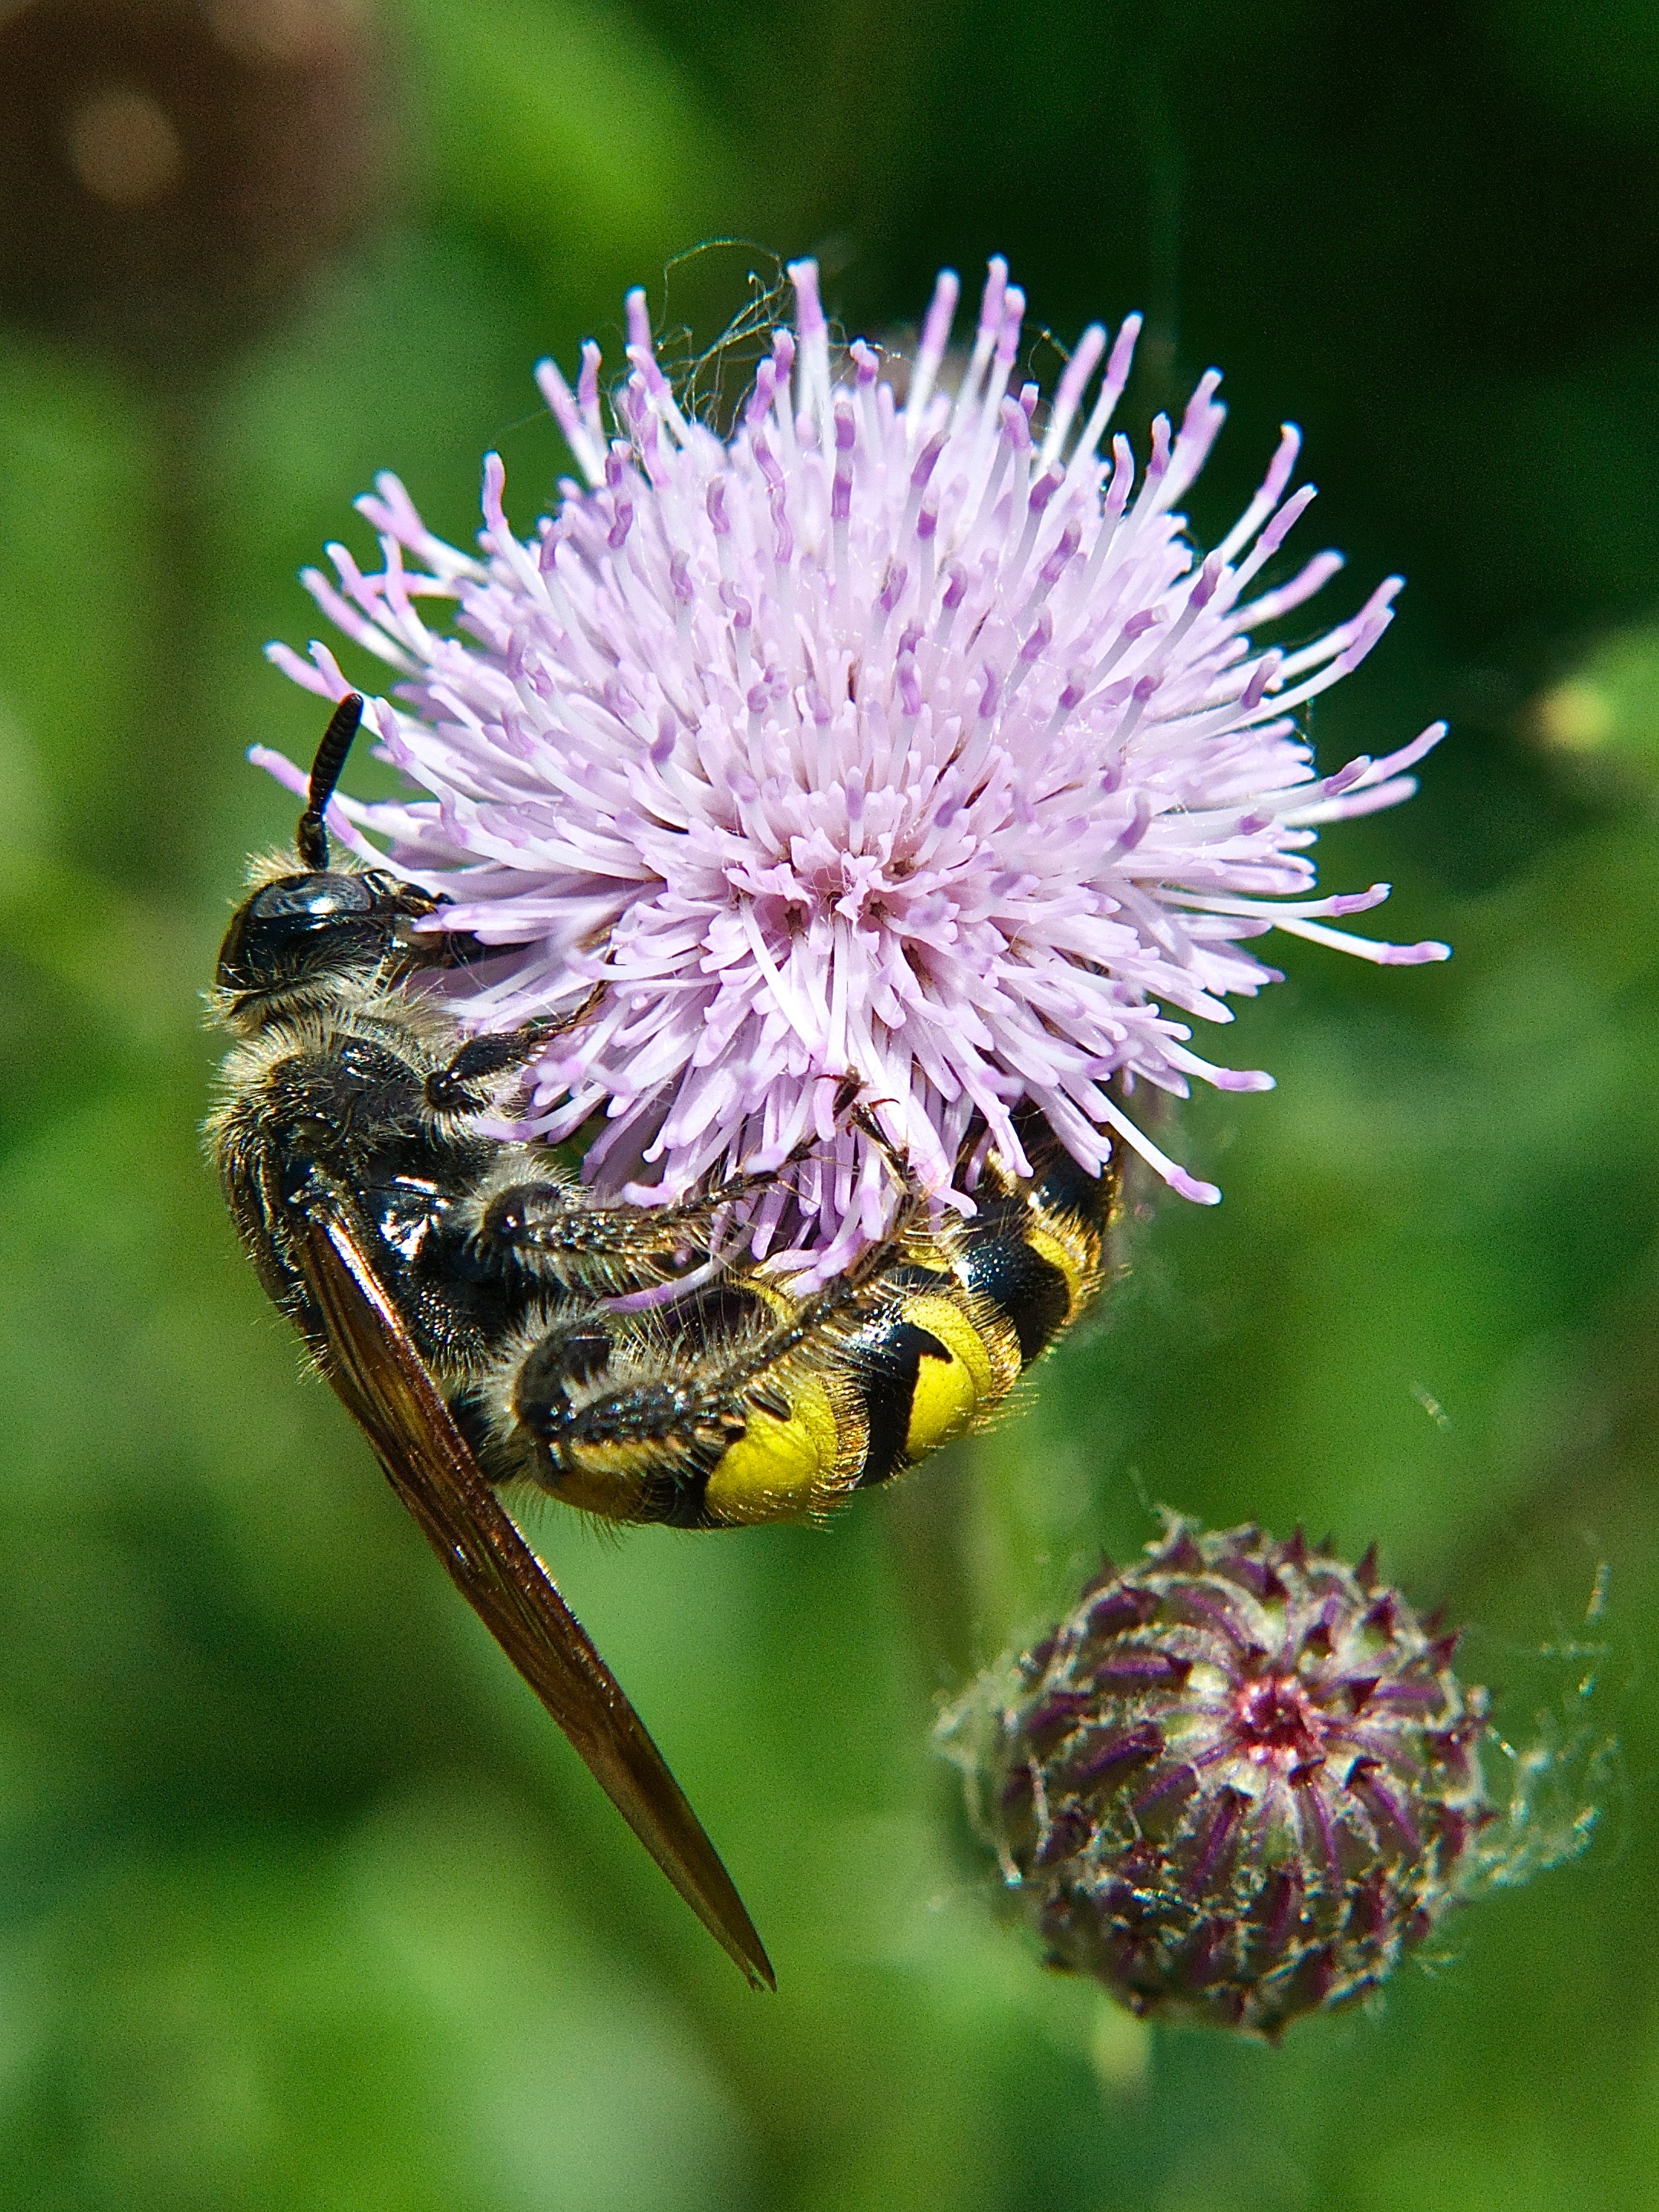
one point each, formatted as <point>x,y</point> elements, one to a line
<point>642,1452</point>
<point>546,1231</point>
<point>685,1388</point>
<point>550,1230</point>
<point>564,1359</point>
<point>464,1086</point>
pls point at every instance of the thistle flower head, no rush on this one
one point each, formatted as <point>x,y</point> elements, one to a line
<point>912,739</point>
<point>1235,1783</point>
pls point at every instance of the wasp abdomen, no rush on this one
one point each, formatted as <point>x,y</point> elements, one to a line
<point>1002,1267</point>
<point>741,1402</point>
<point>927,1369</point>
<point>890,1357</point>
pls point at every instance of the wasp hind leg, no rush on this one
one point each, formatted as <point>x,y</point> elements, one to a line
<point>642,1452</point>
<point>547,1232</point>
<point>544,1230</point>
<point>711,1414</point>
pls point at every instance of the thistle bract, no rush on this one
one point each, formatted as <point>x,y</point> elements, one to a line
<point>909,738</point>
<point>1235,1783</point>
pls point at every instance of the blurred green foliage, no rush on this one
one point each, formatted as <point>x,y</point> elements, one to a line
<point>302,1902</point>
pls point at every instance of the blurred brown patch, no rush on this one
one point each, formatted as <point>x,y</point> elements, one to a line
<point>170,174</point>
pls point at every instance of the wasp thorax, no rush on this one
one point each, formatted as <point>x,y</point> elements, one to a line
<point>1237,1784</point>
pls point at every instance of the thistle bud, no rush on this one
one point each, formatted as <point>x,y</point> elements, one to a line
<point>1236,1785</point>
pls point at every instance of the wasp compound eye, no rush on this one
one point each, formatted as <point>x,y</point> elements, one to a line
<point>313,902</point>
<point>304,925</point>
<point>1236,1785</point>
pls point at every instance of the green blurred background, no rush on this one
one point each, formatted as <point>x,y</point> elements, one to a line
<point>302,1901</point>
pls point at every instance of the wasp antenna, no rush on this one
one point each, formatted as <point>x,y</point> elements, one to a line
<point>311,838</point>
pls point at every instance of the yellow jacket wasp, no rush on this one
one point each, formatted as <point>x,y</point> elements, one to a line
<point>469,1302</point>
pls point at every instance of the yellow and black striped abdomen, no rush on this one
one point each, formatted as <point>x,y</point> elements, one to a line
<point>843,1390</point>
<point>918,1359</point>
<point>940,1350</point>
<point>927,1364</point>
<point>1038,1252</point>
<point>950,1348</point>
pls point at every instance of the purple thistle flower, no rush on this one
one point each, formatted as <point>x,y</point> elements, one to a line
<point>1237,1782</point>
<point>912,739</point>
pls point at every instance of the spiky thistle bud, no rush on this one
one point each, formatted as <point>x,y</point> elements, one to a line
<point>1235,1783</point>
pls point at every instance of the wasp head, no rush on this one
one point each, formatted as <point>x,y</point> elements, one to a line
<point>298,933</point>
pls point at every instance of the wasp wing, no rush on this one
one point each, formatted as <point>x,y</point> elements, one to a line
<point>380,1375</point>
